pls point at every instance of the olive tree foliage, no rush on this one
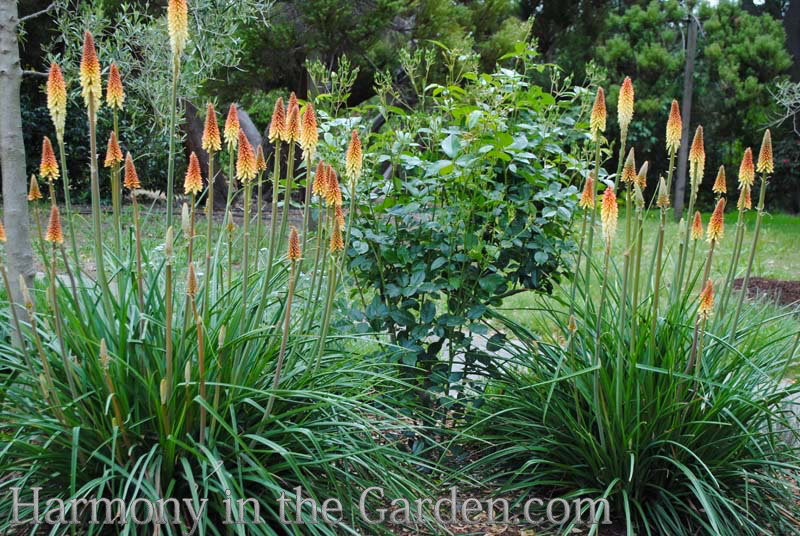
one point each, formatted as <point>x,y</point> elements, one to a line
<point>134,35</point>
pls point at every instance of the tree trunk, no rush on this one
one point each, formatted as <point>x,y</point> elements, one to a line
<point>686,116</point>
<point>791,23</point>
<point>12,153</point>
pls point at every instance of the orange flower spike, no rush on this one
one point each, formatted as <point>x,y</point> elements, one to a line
<point>354,157</point>
<point>674,128</point>
<point>697,155</point>
<point>294,245</point>
<point>625,104</point>
<point>716,225</point>
<point>339,214</point>
<point>211,141</point>
<point>765,163</point>
<point>48,168</point>
<point>232,127</point>
<point>334,191</point>
<point>629,169</point>
<point>745,201</point>
<point>261,162</point>
<point>3,236</point>
<point>597,121</point>
<point>697,227</point>
<point>177,26</point>
<point>609,214</point>
<point>54,227</point>
<point>587,196</point>
<point>34,194</point>
<point>293,120</point>
<point>309,137</point>
<point>337,244</point>
<point>320,181</point>
<point>57,98</point>
<point>90,72</point>
<point>193,182</point>
<point>115,94</point>
<point>720,185</point>
<point>131,177</point>
<point>747,173</point>
<point>277,127</point>
<point>113,152</point>
<point>706,301</point>
<point>246,168</point>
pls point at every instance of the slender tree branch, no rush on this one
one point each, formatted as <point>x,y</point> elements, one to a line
<point>34,73</point>
<point>38,13</point>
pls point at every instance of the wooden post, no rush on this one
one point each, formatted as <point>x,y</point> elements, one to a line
<point>686,114</point>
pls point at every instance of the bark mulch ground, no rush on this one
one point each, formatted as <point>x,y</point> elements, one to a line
<point>783,292</point>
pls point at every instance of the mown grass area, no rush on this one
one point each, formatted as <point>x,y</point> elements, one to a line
<point>777,258</point>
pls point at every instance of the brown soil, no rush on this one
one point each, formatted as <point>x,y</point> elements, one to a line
<point>783,292</point>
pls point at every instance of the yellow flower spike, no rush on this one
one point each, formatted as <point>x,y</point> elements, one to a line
<point>277,127</point>
<point>294,245</point>
<point>625,104</point>
<point>177,26</point>
<point>716,225</point>
<point>261,162</point>
<point>641,177</point>
<point>747,173</point>
<point>609,213</point>
<point>293,120</point>
<point>113,152</point>
<point>34,194</point>
<point>663,194</point>
<point>674,128</point>
<point>745,201</point>
<point>629,169</point>
<point>54,233</point>
<point>328,196</point>
<point>765,164</point>
<point>320,181</point>
<point>697,227</point>
<point>232,127</point>
<point>706,301</point>
<point>3,236</point>
<point>115,94</point>
<point>191,281</point>
<point>131,177</point>
<point>246,161</point>
<point>90,72</point>
<point>337,244</point>
<point>354,157</point>
<point>587,196</point>
<point>597,121</point>
<point>720,185</point>
<point>211,141</point>
<point>309,137</point>
<point>193,182</point>
<point>697,155</point>
<point>57,98</point>
<point>48,168</point>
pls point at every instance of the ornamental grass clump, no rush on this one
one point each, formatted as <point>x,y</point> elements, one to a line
<point>679,415</point>
<point>162,376</point>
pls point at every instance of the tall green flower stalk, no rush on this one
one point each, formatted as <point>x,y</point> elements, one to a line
<point>598,125</point>
<point>115,96</point>
<point>629,178</point>
<point>277,133</point>
<point>34,196</point>
<point>293,134</point>
<point>90,85</point>
<point>212,144</point>
<point>765,167</point>
<point>178,29</point>
<point>113,160</point>
<point>132,184</point>
<point>663,204</point>
<point>57,106</point>
<point>637,258</point>
<point>294,256</point>
<point>353,168</point>
<point>169,259</point>
<point>246,170</point>
<point>697,162</point>
<point>587,202</point>
<point>261,166</point>
<point>336,247</point>
<point>309,138</point>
